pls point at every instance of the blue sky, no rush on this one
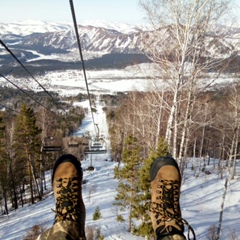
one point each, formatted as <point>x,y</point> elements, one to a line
<point>125,11</point>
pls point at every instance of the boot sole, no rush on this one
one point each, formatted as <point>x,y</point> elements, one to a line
<point>159,163</point>
<point>68,158</point>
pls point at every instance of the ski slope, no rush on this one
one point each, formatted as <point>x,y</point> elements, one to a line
<point>201,199</point>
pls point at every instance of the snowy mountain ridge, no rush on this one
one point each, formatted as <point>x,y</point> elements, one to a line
<point>97,38</point>
<point>28,27</point>
<point>36,40</point>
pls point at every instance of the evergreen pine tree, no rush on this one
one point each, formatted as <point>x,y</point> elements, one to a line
<point>4,163</point>
<point>128,175</point>
<point>7,174</point>
<point>143,199</point>
<point>27,144</point>
<point>97,214</point>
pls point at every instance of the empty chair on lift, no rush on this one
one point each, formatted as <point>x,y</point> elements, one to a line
<point>95,147</point>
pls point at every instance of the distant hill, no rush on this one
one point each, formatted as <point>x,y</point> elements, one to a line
<point>104,45</point>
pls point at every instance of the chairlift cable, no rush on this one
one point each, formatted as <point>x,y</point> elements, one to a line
<point>7,49</point>
<point>13,110</point>
<point>81,57</point>
<point>9,108</point>
<point>15,85</point>
<point>92,149</point>
<point>24,67</point>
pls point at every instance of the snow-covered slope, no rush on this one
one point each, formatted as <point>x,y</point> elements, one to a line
<point>96,37</point>
<point>201,199</point>
<point>31,26</point>
<point>117,26</point>
<point>27,27</point>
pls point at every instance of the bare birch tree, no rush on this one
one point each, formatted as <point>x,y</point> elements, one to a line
<point>234,100</point>
<point>179,44</point>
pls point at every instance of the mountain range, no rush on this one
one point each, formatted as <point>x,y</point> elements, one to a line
<point>104,44</point>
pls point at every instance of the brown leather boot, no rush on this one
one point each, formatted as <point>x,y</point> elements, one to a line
<point>165,208</point>
<point>67,187</point>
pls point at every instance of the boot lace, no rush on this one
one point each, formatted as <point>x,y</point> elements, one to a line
<point>167,206</point>
<point>67,204</point>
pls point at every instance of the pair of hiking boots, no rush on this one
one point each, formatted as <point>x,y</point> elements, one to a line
<point>165,208</point>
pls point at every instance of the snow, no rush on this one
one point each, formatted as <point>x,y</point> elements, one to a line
<point>27,27</point>
<point>117,26</point>
<point>71,82</point>
<point>141,77</point>
<point>201,198</point>
<point>41,56</point>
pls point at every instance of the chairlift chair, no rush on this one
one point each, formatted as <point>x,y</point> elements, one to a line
<point>96,147</point>
<point>52,145</point>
